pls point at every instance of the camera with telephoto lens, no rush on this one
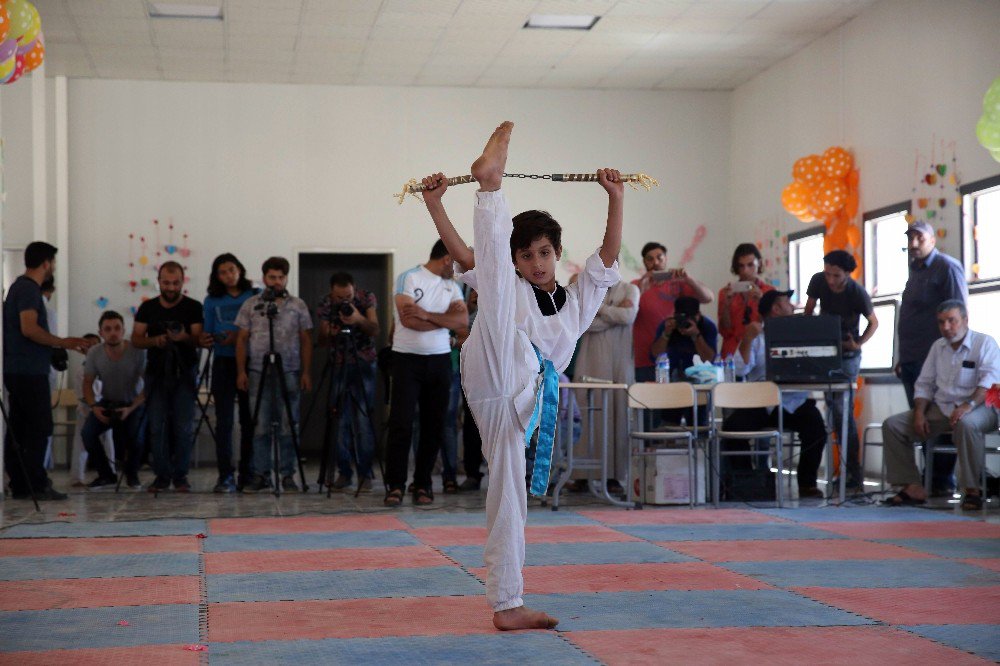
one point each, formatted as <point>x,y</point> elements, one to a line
<point>112,409</point>
<point>682,321</point>
<point>345,309</point>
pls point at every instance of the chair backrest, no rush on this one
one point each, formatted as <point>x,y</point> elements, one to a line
<point>746,395</point>
<point>648,395</point>
<point>64,398</point>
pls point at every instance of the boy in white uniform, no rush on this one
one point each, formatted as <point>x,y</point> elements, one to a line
<point>519,313</point>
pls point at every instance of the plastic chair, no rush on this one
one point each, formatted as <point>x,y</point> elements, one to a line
<point>64,403</point>
<point>679,395</point>
<point>747,395</point>
<point>866,441</point>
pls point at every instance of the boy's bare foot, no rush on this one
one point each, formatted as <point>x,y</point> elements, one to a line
<point>523,617</point>
<point>488,168</point>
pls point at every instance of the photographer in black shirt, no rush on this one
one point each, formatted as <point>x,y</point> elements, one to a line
<point>169,327</point>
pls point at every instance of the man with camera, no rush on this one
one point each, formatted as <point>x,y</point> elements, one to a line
<point>348,323</point>
<point>685,334</point>
<point>169,327</point>
<point>27,355</point>
<point>119,367</point>
<point>274,321</point>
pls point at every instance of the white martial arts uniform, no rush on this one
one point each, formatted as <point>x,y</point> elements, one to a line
<point>500,374</point>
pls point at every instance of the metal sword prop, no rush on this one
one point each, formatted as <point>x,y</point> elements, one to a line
<point>413,186</point>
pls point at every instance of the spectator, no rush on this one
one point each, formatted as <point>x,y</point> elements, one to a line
<point>169,327</point>
<point>950,394</point>
<point>352,312</point>
<point>799,411</point>
<point>27,356</point>
<point>292,340</point>
<point>428,305</point>
<point>605,352</point>
<point>78,464</point>
<point>659,289</point>
<point>738,300</point>
<point>228,290</point>
<point>838,294</point>
<point>685,334</point>
<point>119,367</point>
<point>934,278</point>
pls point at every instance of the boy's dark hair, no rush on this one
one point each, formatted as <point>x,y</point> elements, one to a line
<point>170,266</point>
<point>37,253</point>
<point>439,250</point>
<point>650,246</point>
<point>342,279</point>
<point>742,250</point>
<point>842,259</point>
<point>215,286</point>
<point>279,264</point>
<point>110,314</point>
<point>531,225</point>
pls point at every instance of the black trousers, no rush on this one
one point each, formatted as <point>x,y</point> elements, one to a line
<point>472,445</point>
<point>226,397</point>
<point>30,414</point>
<point>423,380</point>
<point>806,421</point>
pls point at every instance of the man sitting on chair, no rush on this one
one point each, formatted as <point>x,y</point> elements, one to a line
<point>949,395</point>
<point>800,412</point>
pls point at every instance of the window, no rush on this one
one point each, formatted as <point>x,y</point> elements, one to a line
<point>886,267</point>
<point>805,258</point>
<point>880,350</point>
<point>984,309</point>
<point>981,229</point>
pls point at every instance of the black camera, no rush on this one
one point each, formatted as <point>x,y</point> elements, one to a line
<point>345,309</point>
<point>174,327</point>
<point>112,409</point>
<point>682,321</point>
<point>59,360</point>
<point>270,294</point>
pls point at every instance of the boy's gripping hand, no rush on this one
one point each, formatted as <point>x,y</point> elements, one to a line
<point>436,185</point>
<point>611,181</point>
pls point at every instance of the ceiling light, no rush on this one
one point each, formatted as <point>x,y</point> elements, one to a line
<point>562,21</point>
<point>184,11</point>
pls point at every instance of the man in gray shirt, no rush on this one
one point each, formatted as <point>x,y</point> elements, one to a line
<point>933,279</point>
<point>119,366</point>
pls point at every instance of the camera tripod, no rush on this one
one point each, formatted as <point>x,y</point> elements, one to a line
<point>271,362</point>
<point>204,382</point>
<point>12,441</point>
<point>346,396</point>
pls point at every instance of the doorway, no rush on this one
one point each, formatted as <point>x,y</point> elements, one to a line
<point>372,271</point>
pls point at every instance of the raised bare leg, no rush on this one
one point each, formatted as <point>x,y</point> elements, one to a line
<point>523,617</point>
<point>488,167</point>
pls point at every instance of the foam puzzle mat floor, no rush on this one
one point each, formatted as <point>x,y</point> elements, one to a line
<point>866,585</point>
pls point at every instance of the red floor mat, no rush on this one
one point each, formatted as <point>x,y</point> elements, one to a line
<point>909,605</point>
<point>98,546</point>
<point>323,560</point>
<point>803,549</point>
<point>304,524</point>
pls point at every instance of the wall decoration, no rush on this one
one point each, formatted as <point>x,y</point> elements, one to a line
<point>699,235</point>
<point>772,244</point>
<point>825,188</point>
<point>988,127</point>
<point>144,263</point>
<point>935,197</point>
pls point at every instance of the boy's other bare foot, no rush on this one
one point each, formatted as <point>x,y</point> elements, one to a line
<point>488,168</point>
<point>523,617</point>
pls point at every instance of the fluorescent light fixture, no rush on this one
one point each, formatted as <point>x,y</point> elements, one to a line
<point>184,11</point>
<point>562,21</point>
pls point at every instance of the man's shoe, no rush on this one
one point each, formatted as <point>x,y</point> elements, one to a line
<point>366,486</point>
<point>181,485</point>
<point>469,484</point>
<point>159,485</point>
<point>51,493</point>
<point>341,483</point>
<point>812,492</point>
<point>258,484</point>
<point>225,485</point>
<point>288,484</point>
<point>102,483</point>
<point>132,481</point>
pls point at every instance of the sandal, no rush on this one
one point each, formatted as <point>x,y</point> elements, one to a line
<point>422,497</point>
<point>450,488</point>
<point>393,498</point>
<point>903,498</point>
<point>972,503</point>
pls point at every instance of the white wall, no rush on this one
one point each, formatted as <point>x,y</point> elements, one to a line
<point>261,169</point>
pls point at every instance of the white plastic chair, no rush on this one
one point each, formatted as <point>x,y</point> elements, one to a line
<point>747,395</point>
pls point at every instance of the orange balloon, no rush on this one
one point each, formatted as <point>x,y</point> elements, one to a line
<point>806,217</point>
<point>851,204</point>
<point>831,195</point>
<point>795,198</point>
<point>854,235</point>
<point>808,170</point>
<point>836,162</point>
<point>36,56</point>
<point>4,23</point>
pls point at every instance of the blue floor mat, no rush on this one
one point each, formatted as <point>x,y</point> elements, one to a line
<point>981,639</point>
<point>951,547</point>
<point>309,541</point>
<point>768,531</point>
<point>867,573</point>
<point>542,554</point>
<point>161,527</point>
<point>99,566</point>
<point>862,514</point>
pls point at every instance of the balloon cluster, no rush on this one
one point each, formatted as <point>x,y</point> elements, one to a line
<point>988,127</point>
<point>22,46</point>
<point>825,188</point>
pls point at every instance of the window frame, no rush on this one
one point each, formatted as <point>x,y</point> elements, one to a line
<point>794,238</point>
<point>886,372</point>
<point>870,250</point>
<point>967,218</point>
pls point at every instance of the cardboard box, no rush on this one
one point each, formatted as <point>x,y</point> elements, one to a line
<point>666,479</point>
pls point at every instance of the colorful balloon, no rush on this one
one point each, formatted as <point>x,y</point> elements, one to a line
<point>808,170</point>
<point>36,56</point>
<point>795,198</point>
<point>4,23</point>
<point>988,133</point>
<point>836,162</point>
<point>22,14</point>
<point>831,195</point>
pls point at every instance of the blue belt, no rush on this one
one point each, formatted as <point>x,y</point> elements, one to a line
<point>543,419</point>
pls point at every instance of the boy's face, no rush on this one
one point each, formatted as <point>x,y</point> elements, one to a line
<point>537,263</point>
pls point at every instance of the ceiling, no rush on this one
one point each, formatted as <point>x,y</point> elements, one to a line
<point>636,44</point>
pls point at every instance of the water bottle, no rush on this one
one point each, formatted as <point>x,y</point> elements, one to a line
<point>730,368</point>
<point>720,371</point>
<point>663,369</point>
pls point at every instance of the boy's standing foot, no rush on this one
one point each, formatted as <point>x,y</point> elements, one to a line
<point>523,617</point>
<point>488,167</point>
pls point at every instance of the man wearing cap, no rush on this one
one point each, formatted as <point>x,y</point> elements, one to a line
<point>685,334</point>
<point>800,412</point>
<point>933,279</point>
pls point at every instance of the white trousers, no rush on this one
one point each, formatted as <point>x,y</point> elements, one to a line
<point>497,377</point>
